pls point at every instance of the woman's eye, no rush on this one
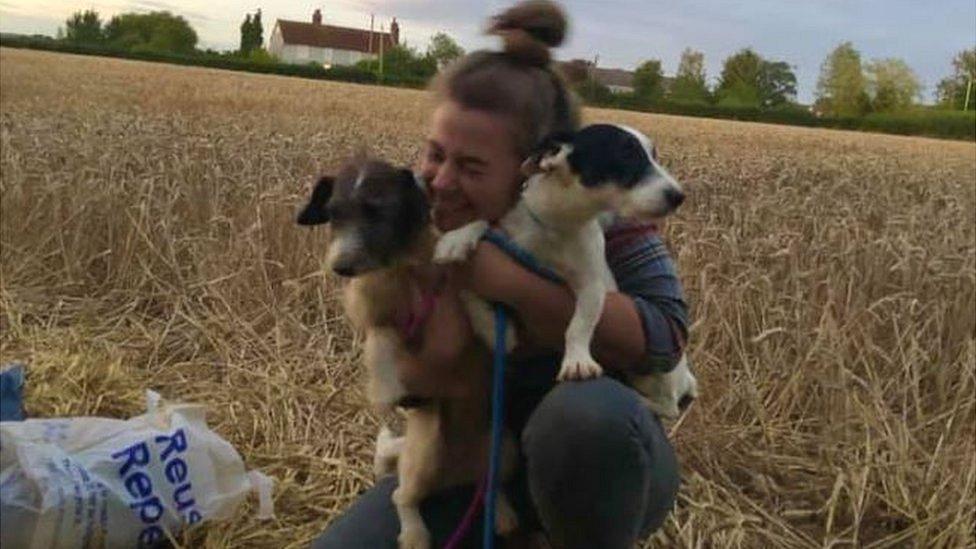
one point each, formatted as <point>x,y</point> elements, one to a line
<point>434,156</point>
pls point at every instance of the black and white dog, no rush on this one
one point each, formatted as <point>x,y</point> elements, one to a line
<point>572,181</point>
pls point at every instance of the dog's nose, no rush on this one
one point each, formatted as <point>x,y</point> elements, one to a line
<point>674,197</point>
<point>344,270</point>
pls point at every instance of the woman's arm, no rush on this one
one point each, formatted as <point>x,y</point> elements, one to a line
<point>643,326</point>
<point>544,308</point>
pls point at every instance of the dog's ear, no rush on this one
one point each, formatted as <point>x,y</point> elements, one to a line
<point>315,212</point>
<point>551,154</point>
<point>406,176</point>
<point>416,201</point>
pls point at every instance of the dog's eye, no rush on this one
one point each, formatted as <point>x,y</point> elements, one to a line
<point>336,214</point>
<point>372,210</point>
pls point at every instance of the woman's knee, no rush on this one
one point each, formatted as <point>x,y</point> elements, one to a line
<point>579,412</point>
<point>600,467</point>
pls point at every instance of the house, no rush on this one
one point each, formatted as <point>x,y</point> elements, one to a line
<point>314,42</point>
<point>579,70</point>
<point>616,80</point>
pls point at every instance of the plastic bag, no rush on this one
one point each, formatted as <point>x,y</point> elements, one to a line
<point>97,482</point>
<point>11,392</point>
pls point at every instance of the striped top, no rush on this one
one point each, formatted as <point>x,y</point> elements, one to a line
<point>644,270</point>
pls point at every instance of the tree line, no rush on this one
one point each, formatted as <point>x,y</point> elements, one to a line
<point>165,33</point>
<point>158,31</point>
<point>846,87</point>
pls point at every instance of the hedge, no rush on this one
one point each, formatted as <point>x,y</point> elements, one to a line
<point>921,121</point>
<point>310,70</point>
<point>924,121</point>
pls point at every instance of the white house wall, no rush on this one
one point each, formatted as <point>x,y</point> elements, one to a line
<point>300,54</point>
<point>275,43</point>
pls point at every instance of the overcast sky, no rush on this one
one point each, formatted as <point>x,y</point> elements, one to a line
<point>926,34</point>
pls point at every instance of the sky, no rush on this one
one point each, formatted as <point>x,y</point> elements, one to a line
<point>622,33</point>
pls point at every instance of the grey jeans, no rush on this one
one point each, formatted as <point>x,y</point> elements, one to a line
<point>597,471</point>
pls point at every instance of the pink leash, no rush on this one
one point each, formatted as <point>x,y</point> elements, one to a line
<point>468,521</point>
<point>409,326</point>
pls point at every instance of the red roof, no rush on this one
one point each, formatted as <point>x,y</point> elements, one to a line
<point>329,36</point>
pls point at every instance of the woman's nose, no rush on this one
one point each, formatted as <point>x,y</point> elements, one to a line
<point>444,179</point>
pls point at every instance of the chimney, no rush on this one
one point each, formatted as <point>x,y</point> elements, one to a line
<point>395,32</point>
<point>317,17</point>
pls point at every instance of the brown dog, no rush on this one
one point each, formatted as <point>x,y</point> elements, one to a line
<point>382,238</point>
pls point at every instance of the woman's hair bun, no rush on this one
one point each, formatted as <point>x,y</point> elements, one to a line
<point>529,29</point>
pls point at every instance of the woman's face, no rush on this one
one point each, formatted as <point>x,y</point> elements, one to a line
<point>471,165</point>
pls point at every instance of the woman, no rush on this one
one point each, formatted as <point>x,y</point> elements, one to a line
<point>597,469</point>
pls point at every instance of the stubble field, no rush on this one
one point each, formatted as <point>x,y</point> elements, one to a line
<point>147,242</point>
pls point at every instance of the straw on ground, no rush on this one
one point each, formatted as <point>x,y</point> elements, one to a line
<point>147,241</point>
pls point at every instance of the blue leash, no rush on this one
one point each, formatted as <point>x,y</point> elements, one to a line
<point>498,381</point>
<point>497,420</point>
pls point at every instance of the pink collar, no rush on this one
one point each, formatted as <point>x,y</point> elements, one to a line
<point>410,322</point>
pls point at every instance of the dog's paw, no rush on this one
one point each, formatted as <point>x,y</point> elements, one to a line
<point>458,244</point>
<point>414,538</point>
<point>578,366</point>
<point>511,337</point>
<point>387,452</point>
<point>483,322</point>
<point>506,521</point>
<point>671,393</point>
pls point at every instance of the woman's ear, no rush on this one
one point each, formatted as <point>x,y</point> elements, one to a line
<point>315,212</point>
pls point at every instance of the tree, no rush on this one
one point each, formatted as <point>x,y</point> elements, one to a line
<point>443,49</point>
<point>592,90</point>
<point>841,87</point>
<point>689,82</point>
<point>892,85</point>
<point>649,80</point>
<point>261,56</point>
<point>158,31</point>
<point>84,28</point>
<point>257,31</point>
<point>402,62</point>
<point>777,84</point>
<point>740,83</point>
<point>952,89</point>
<point>246,35</point>
<point>252,33</point>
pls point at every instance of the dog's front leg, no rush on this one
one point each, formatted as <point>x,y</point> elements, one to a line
<point>578,363</point>
<point>420,459</point>
<point>482,318</point>
<point>458,244</point>
<point>381,352</point>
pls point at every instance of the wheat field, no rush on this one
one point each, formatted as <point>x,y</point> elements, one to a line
<point>147,242</point>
